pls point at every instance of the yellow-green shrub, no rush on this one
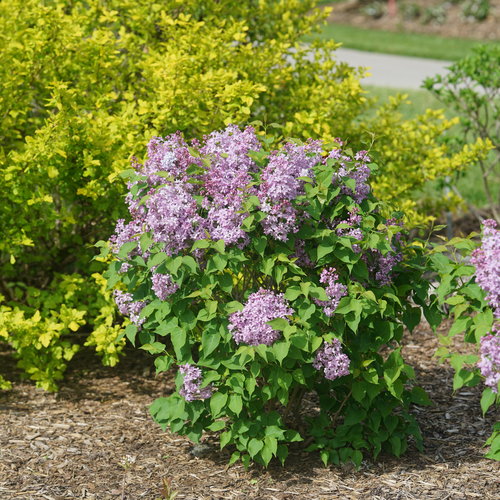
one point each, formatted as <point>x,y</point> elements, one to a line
<point>86,83</point>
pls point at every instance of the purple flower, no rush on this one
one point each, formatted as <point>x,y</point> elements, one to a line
<point>280,178</point>
<point>163,286</point>
<point>486,260</point>
<point>382,266</point>
<point>172,217</point>
<point>125,232</point>
<point>169,155</point>
<point>225,224</point>
<point>332,360</point>
<point>281,184</point>
<point>226,182</point>
<point>281,220</point>
<point>191,389</point>
<point>489,364</point>
<point>334,290</point>
<point>250,324</point>
<point>352,231</point>
<point>360,173</point>
<point>128,307</point>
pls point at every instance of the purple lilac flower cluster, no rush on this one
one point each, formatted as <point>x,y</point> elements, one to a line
<point>334,290</point>
<point>332,360</point>
<point>486,260</point>
<point>128,307</point>
<point>489,364</point>
<point>227,181</point>
<point>282,183</point>
<point>381,266</point>
<point>163,286</point>
<point>360,173</point>
<point>172,217</point>
<point>191,389</point>
<point>250,324</point>
<point>170,155</point>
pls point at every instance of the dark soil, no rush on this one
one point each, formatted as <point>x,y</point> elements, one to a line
<point>96,440</point>
<point>429,20</point>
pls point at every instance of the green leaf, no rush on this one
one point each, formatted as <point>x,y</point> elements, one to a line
<point>233,306</point>
<point>225,282</point>
<point>292,293</point>
<point>217,402</point>
<point>154,348</point>
<point>260,243</point>
<point>358,390</point>
<point>282,453</point>
<point>460,325</point>
<point>163,363</point>
<point>178,338</point>
<point>126,248</point>
<point>280,350</point>
<point>250,384</point>
<point>131,332</point>
<point>235,403</point>
<point>487,399</point>
<point>254,446</point>
<point>225,437</point>
<point>412,317</point>
<point>278,324</point>
<point>218,425</point>
<point>323,249</point>
<point>190,263</point>
<point>420,397</point>
<point>174,264</point>
<point>200,244</point>
<point>157,259</point>
<point>220,246</point>
<point>209,342</point>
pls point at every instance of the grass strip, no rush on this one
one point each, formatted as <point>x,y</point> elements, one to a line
<point>389,42</point>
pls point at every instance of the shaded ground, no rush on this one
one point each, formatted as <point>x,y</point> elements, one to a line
<point>73,445</point>
<point>420,16</point>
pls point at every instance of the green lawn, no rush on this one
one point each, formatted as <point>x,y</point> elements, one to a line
<point>409,44</point>
<point>419,100</point>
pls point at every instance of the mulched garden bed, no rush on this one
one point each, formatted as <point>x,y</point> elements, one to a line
<point>450,23</point>
<point>73,445</point>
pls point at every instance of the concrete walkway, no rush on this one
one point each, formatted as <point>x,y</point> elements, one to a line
<point>398,72</point>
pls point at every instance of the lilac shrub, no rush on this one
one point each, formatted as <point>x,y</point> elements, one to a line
<point>486,260</point>
<point>469,290</point>
<point>270,278</point>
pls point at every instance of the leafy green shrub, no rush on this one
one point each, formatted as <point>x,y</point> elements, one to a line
<point>477,10</point>
<point>270,277</point>
<point>39,327</point>
<point>435,14</point>
<point>469,291</point>
<point>472,90</point>
<point>84,84</point>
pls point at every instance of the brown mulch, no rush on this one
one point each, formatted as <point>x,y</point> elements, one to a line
<point>75,444</point>
<point>352,12</point>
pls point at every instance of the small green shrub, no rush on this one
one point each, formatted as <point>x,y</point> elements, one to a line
<point>472,90</point>
<point>476,10</point>
<point>469,292</point>
<point>268,277</point>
